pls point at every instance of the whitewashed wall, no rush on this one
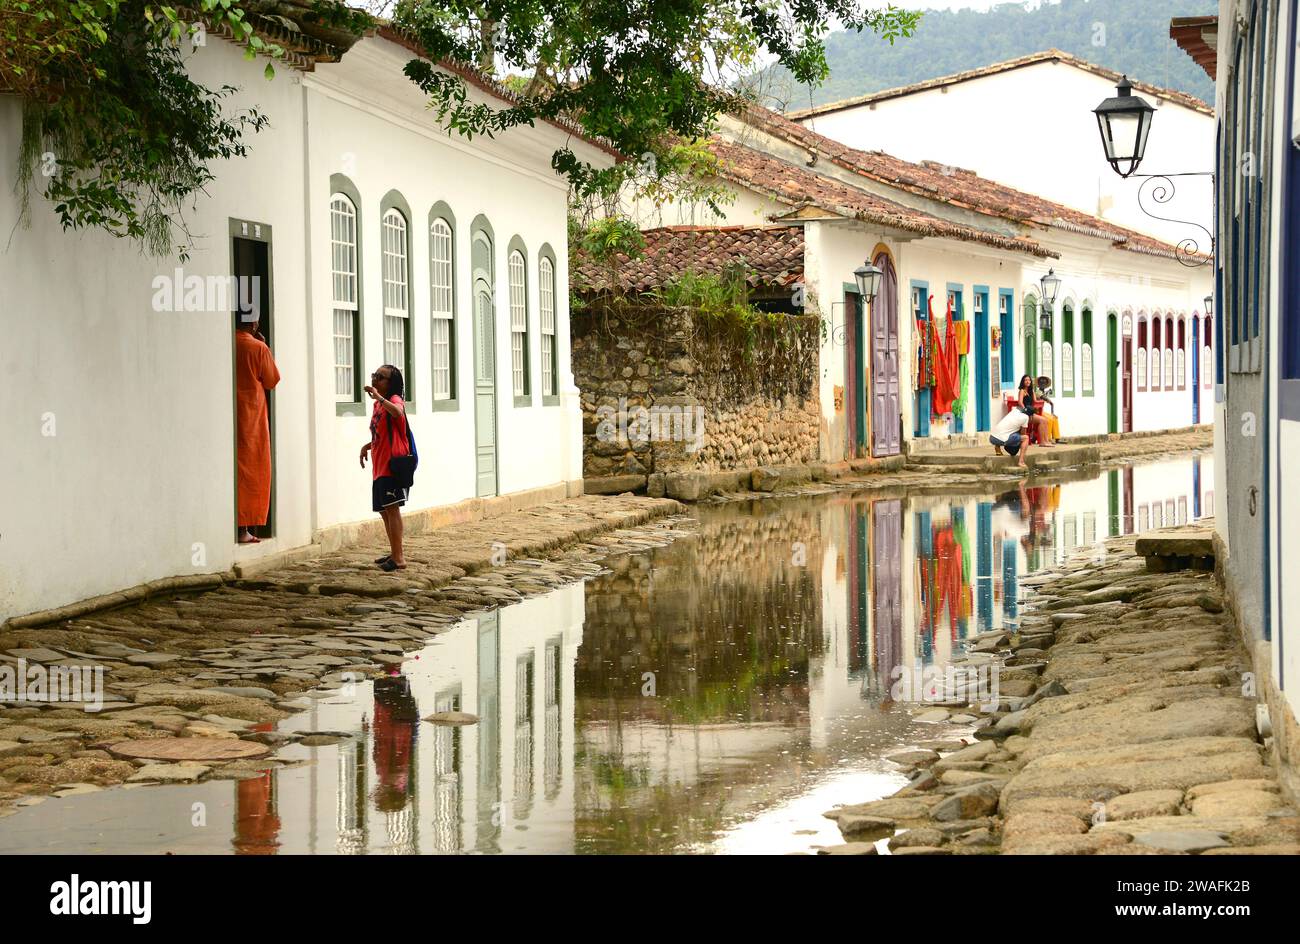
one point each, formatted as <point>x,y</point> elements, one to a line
<point>137,480</point>
<point>508,181</point>
<point>1033,128</point>
<point>120,417</point>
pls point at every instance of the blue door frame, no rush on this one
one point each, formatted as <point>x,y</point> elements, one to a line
<point>958,314</point>
<point>982,366</point>
<point>921,315</point>
<point>1196,371</point>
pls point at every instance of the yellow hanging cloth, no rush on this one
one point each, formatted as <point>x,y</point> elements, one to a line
<point>963,337</point>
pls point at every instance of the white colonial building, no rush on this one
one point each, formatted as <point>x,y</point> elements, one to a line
<point>1028,123</point>
<point>375,237</point>
<point>1126,344</point>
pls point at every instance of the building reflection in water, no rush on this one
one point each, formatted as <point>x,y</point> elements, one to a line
<point>691,688</point>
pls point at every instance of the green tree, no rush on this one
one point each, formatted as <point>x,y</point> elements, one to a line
<point>115,133</point>
<point>118,136</point>
<point>640,74</point>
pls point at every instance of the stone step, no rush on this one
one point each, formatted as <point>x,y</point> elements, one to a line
<point>1178,549</point>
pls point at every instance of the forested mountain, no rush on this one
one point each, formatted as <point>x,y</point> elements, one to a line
<point>1129,36</point>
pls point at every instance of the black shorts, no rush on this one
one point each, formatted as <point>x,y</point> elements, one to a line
<point>386,492</point>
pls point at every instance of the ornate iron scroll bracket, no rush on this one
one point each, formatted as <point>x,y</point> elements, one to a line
<point>1159,189</point>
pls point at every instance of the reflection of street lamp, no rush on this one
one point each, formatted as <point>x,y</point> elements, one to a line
<point>868,278</point>
<point>1209,305</point>
<point>1050,285</point>
<point>1124,122</point>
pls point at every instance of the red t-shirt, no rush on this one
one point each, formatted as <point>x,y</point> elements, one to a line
<point>387,437</point>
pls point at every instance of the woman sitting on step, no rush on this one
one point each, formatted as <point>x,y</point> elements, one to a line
<point>1037,421</point>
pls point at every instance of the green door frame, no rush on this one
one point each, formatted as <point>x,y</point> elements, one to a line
<point>1112,372</point>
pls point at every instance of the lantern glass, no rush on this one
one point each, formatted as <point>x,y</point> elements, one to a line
<point>1124,122</point>
<point>867,276</point>
<point>1209,304</point>
<point>1050,285</point>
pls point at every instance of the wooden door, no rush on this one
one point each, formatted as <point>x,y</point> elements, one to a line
<point>885,407</point>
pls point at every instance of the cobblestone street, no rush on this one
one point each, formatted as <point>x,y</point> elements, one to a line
<point>218,663</point>
<point>1127,726</point>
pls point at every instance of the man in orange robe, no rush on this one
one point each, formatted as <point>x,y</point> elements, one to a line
<point>255,374</point>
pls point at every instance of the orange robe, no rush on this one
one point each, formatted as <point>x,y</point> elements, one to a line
<point>255,374</point>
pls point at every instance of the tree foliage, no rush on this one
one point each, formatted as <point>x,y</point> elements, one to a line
<point>119,137</point>
<point>643,75</point>
<point>116,134</point>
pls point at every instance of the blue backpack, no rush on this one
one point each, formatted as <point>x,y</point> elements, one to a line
<point>403,467</point>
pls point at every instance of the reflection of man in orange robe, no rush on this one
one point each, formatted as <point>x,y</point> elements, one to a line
<point>255,374</point>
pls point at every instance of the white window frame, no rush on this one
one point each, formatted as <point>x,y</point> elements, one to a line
<point>396,271</point>
<point>442,308</point>
<point>345,305</point>
<point>517,271</point>
<point>546,309</point>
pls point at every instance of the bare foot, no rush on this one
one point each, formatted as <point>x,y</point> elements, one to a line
<point>248,537</point>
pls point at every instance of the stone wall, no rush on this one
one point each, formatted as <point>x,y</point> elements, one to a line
<point>671,390</point>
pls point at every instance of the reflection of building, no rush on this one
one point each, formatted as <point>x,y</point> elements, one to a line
<point>403,786</point>
<point>955,563</point>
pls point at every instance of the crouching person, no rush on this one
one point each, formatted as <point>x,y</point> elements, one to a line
<point>1010,434</point>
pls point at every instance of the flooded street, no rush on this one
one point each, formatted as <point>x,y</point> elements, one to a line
<point>716,695</point>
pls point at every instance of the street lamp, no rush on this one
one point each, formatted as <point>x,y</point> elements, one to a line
<point>1124,122</point>
<point>868,278</point>
<point>1209,305</point>
<point>1049,286</point>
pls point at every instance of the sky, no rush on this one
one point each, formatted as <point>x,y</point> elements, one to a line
<point>981,5</point>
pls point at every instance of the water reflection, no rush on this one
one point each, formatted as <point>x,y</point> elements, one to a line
<point>714,695</point>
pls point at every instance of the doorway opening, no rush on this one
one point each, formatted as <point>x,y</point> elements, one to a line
<point>250,266</point>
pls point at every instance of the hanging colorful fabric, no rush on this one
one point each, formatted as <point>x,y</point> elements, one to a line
<point>946,367</point>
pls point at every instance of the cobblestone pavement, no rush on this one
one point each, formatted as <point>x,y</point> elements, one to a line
<point>227,662</point>
<point>1125,726</point>
<point>1134,447</point>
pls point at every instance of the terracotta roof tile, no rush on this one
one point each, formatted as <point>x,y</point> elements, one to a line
<point>1047,55</point>
<point>803,189</point>
<point>772,257</point>
<point>954,185</point>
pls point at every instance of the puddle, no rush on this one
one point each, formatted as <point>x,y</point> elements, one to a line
<point>714,696</point>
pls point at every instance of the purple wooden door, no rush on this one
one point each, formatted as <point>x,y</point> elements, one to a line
<point>884,363</point>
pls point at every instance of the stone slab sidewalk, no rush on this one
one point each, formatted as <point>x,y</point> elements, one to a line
<point>1126,727</point>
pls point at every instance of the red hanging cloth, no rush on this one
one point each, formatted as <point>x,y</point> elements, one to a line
<point>946,365</point>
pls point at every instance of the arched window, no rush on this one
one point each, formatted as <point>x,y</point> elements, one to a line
<point>1207,356</point>
<point>1142,353</point>
<point>346,298</point>
<point>1030,328</point>
<point>518,272</point>
<point>1067,350</point>
<point>1169,351</point>
<point>442,308</point>
<point>1085,355</point>
<point>1156,357</point>
<point>397,292</point>
<point>546,306</point>
<point>1180,358</point>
